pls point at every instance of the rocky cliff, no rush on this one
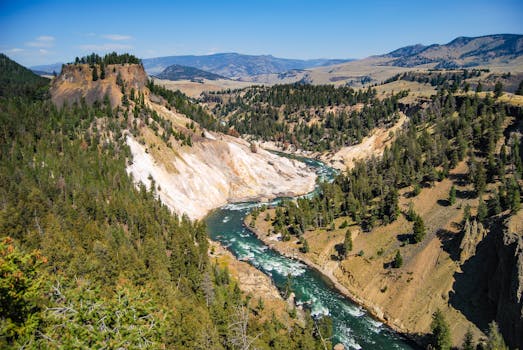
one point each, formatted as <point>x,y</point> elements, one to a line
<point>505,287</point>
<point>215,171</point>
<point>490,287</point>
<point>193,170</point>
<point>76,82</point>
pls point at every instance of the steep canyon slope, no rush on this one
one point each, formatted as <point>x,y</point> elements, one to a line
<point>193,170</point>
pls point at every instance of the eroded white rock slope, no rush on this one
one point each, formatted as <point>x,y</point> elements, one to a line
<point>219,170</point>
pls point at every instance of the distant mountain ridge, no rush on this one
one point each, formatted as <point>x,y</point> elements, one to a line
<point>234,65</point>
<point>460,52</point>
<point>178,72</point>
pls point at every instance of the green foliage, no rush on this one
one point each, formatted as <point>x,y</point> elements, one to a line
<point>80,316</point>
<point>134,274</point>
<point>95,73</point>
<point>283,113</point>
<point>495,339</point>
<point>16,80</point>
<point>452,195</point>
<point>287,290</point>
<point>110,58</point>
<point>482,211</point>
<point>418,229</point>
<point>347,244</point>
<point>441,339</point>
<point>19,292</point>
<point>184,105</point>
<point>498,89</point>
<point>479,87</point>
<point>519,91</point>
<point>305,247</point>
<point>398,260</point>
<point>468,341</point>
<point>466,213</point>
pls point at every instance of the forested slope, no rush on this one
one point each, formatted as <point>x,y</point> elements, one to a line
<point>88,260</point>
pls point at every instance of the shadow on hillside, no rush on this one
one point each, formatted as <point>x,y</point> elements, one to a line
<point>443,202</point>
<point>450,242</point>
<point>469,292</point>
<point>458,179</point>
<point>465,194</point>
<point>339,252</point>
<point>405,237</point>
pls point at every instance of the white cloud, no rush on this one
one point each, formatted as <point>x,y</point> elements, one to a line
<point>43,51</point>
<point>105,47</point>
<point>42,41</point>
<point>117,37</point>
<point>15,50</point>
<point>45,38</point>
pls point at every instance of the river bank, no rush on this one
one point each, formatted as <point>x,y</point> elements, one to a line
<point>328,273</point>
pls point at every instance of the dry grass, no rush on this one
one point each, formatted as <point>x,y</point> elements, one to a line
<point>194,89</point>
<point>416,90</point>
<point>408,296</point>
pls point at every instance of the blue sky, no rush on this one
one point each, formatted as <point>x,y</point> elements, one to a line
<point>39,32</point>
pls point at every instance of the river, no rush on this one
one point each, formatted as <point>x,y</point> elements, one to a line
<point>352,325</point>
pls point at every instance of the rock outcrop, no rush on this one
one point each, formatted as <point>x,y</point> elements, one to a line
<point>206,172</point>
<point>216,171</point>
<point>76,83</point>
<point>505,287</point>
<point>474,233</point>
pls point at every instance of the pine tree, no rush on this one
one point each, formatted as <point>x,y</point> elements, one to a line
<point>495,339</point>
<point>468,341</point>
<point>347,244</point>
<point>441,339</point>
<point>479,87</point>
<point>480,178</point>
<point>95,73</point>
<point>398,260</point>
<point>452,195</point>
<point>287,290</point>
<point>482,211</point>
<point>519,91</point>
<point>305,247</point>
<point>102,71</point>
<point>498,89</point>
<point>419,229</point>
<point>466,213</point>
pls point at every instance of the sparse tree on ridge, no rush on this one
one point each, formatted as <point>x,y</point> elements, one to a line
<point>441,339</point>
<point>95,73</point>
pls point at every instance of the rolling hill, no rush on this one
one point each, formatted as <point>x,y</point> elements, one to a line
<point>498,52</point>
<point>234,65</point>
<point>460,52</point>
<point>178,72</point>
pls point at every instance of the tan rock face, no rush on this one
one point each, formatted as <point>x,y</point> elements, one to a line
<point>216,171</point>
<point>473,234</point>
<point>76,82</point>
